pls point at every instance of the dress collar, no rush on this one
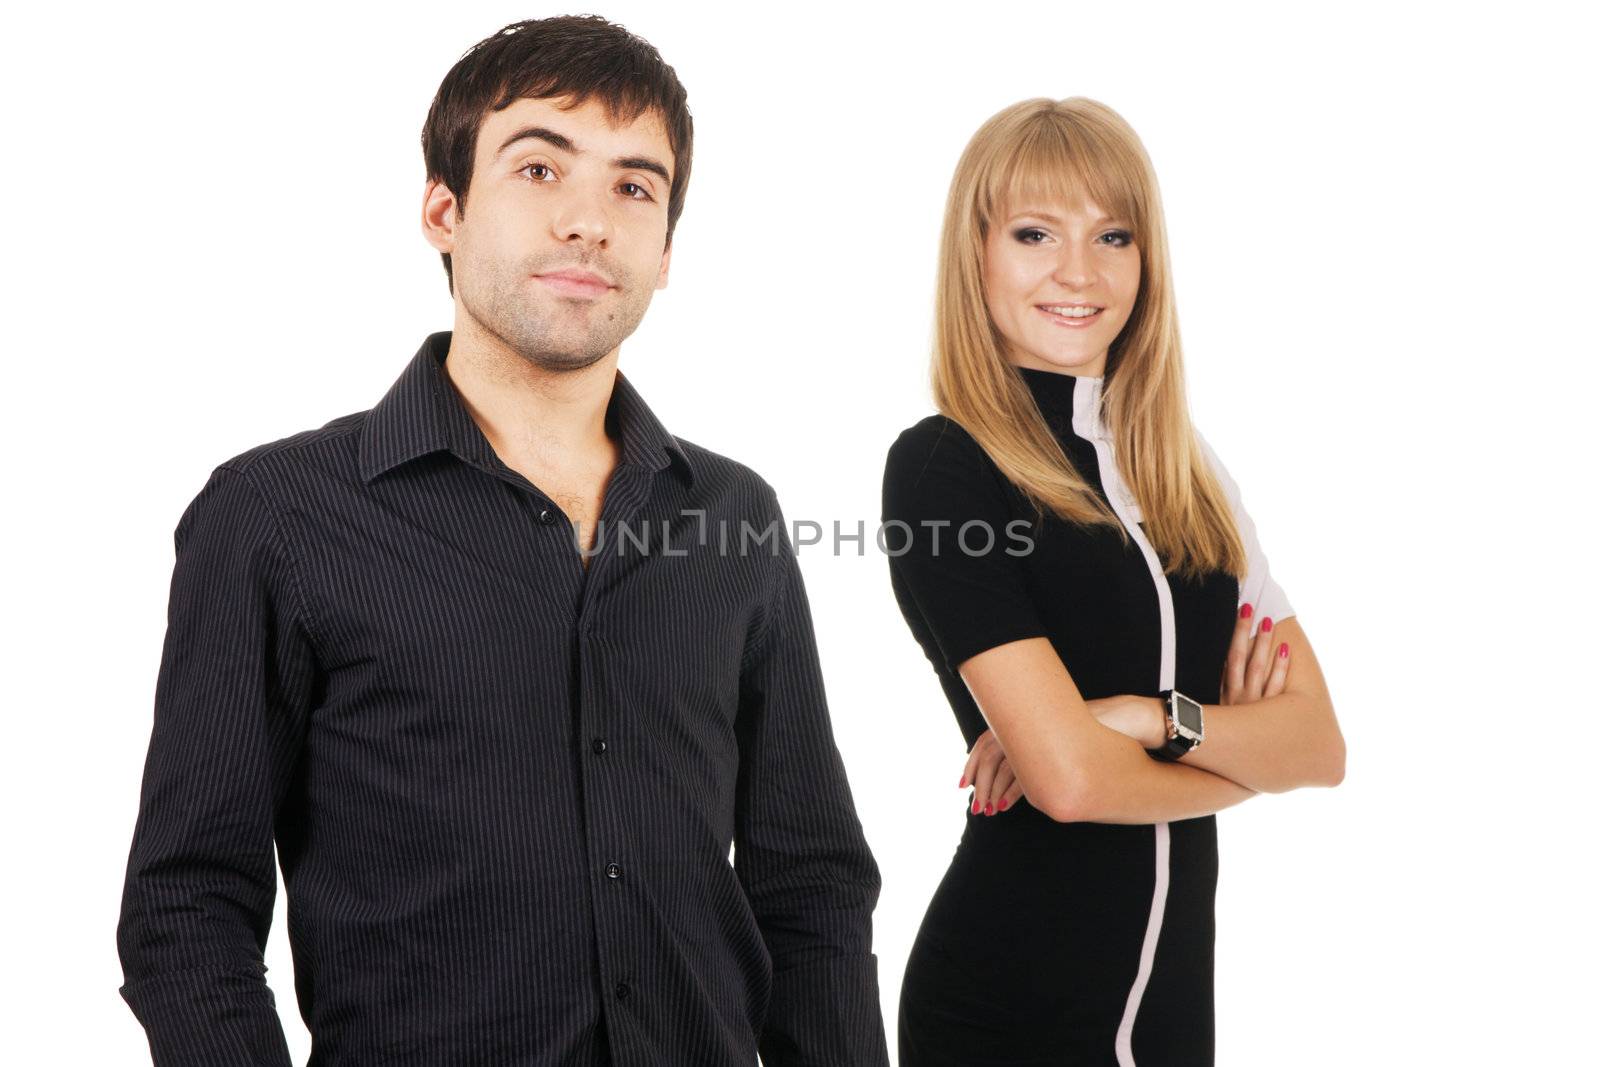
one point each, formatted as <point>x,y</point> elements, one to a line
<point>1071,400</point>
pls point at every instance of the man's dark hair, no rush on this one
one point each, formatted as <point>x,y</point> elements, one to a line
<point>581,55</point>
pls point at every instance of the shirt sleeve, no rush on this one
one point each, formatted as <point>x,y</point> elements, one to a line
<point>952,551</point>
<point>231,701</point>
<point>1258,588</point>
<point>799,849</point>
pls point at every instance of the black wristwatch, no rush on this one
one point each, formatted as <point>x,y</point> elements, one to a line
<point>1185,726</point>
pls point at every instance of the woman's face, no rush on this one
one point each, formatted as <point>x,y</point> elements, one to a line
<point>1044,264</point>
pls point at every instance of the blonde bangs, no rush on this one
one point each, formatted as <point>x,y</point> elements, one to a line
<point>1054,160</point>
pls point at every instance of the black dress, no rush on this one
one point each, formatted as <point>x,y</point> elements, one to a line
<point>1047,942</point>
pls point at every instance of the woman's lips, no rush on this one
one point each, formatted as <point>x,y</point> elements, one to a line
<point>1071,323</point>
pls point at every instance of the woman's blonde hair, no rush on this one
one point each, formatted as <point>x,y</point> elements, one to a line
<point>1063,151</point>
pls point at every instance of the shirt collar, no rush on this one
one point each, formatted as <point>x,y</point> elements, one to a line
<point>422,413</point>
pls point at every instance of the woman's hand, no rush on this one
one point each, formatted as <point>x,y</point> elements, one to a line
<point>995,788</point>
<point>1254,669</point>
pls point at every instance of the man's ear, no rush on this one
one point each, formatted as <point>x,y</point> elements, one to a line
<point>439,215</point>
<point>666,262</point>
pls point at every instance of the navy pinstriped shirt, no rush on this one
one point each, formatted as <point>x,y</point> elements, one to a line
<point>502,786</point>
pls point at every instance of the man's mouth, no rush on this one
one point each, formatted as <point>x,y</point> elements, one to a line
<point>580,283</point>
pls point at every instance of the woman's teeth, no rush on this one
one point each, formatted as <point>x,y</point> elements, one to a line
<point>1071,312</point>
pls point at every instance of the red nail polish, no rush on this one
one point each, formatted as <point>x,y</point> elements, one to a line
<point>1244,611</point>
<point>1283,650</point>
<point>1266,625</point>
<point>974,805</point>
<point>988,809</point>
<point>963,784</point>
<point>1003,803</point>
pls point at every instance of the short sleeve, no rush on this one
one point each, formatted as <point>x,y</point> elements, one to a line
<point>1259,588</point>
<point>955,551</point>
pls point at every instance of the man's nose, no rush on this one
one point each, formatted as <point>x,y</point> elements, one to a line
<point>582,218</point>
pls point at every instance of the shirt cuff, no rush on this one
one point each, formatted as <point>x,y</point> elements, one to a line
<point>825,1013</point>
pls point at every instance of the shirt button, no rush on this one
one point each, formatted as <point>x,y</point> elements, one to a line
<point>622,990</point>
<point>613,870</point>
<point>599,745</point>
<point>547,516</point>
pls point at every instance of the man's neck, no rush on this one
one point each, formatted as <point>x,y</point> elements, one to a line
<point>531,414</point>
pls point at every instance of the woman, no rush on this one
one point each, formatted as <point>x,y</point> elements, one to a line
<point>1072,552</point>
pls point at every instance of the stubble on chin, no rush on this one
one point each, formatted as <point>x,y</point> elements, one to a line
<point>555,333</point>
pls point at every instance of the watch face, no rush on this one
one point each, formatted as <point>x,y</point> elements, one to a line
<point>1188,712</point>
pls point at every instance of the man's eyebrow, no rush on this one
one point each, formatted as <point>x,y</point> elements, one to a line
<point>643,163</point>
<point>537,133</point>
<point>564,143</point>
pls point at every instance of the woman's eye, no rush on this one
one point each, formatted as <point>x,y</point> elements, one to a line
<point>1120,238</point>
<point>535,167</point>
<point>1026,236</point>
<point>638,192</point>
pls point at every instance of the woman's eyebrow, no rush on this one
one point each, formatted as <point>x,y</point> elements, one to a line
<point>1046,216</point>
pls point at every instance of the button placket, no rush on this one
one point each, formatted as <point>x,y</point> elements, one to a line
<point>622,500</point>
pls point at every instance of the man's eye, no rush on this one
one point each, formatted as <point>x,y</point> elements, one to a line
<point>536,167</point>
<point>636,191</point>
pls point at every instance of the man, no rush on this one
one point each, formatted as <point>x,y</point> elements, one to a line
<point>503,753</point>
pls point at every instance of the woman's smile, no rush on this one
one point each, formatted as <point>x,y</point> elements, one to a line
<point>1071,316</point>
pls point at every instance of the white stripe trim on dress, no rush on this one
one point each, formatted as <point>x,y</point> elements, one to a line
<point>1086,423</point>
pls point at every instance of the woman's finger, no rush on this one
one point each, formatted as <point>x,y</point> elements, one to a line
<point>1238,653</point>
<point>1009,799</point>
<point>971,765</point>
<point>1004,780</point>
<point>1279,676</point>
<point>969,776</point>
<point>983,777</point>
<point>969,773</point>
<point>1260,665</point>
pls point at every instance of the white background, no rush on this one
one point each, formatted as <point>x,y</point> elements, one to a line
<point>1383,228</point>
